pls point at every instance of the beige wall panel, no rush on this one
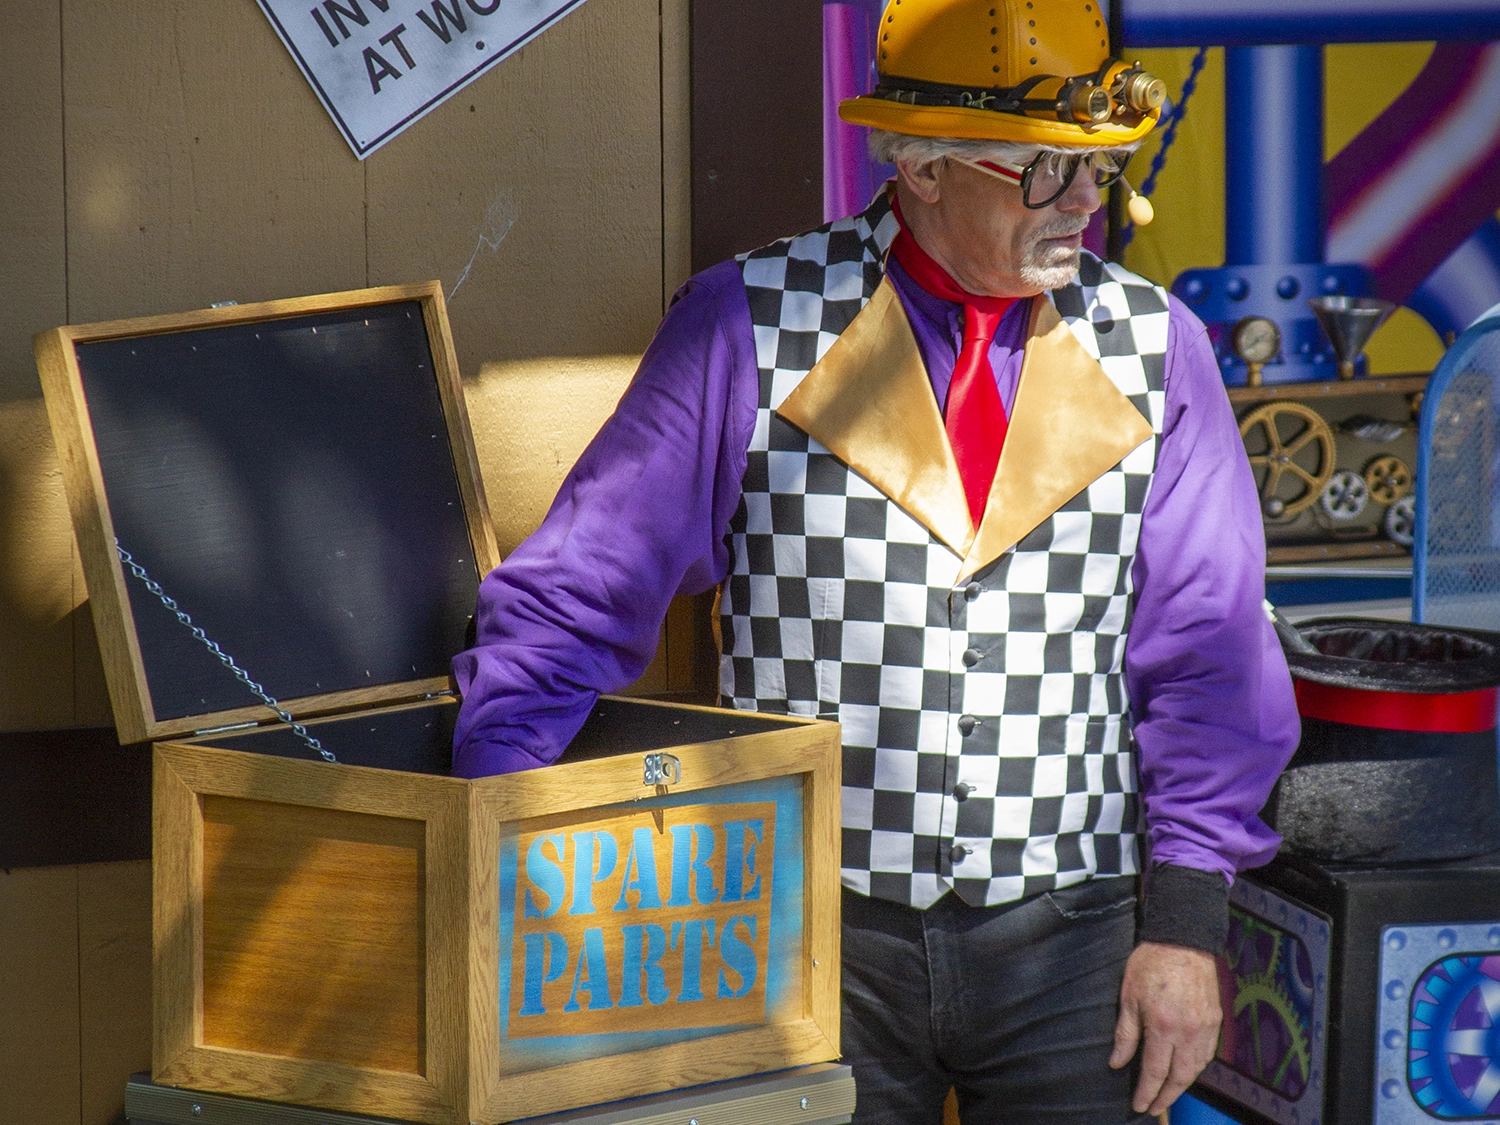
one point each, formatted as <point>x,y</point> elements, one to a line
<point>33,279</point>
<point>114,983</point>
<point>91,707</point>
<point>200,165</point>
<point>39,996</point>
<point>37,591</point>
<point>532,419</point>
<point>555,153</point>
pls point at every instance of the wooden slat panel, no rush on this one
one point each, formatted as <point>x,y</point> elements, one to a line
<point>33,284</point>
<point>313,934</point>
<point>36,641</point>
<point>676,146</point>
<point>201,167</point>
<point>557,149</point>
<point>757,124</point>
<point>114,983</point>
<point>39,996</point>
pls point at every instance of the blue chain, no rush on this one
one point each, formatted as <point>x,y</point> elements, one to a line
<point>224,658</point>
<point>1159,161</point>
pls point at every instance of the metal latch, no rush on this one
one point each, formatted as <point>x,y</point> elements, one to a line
<point>662,769</point>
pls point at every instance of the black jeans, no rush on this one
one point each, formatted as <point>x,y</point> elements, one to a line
<point>1014,1006</point>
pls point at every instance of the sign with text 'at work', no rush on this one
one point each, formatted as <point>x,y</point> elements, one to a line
<point>380,65</point>
<point>650,923</point>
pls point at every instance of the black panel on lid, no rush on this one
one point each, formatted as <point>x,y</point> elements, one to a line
<point>290,484</point>
<point>411,739</point>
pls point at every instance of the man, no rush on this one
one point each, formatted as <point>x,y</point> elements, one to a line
<point>980,498</point>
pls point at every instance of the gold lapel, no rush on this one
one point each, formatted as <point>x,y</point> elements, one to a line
<point>870,403</point>
<point>1069,425</point>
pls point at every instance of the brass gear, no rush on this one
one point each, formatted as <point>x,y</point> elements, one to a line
<point>1290,430</point>
<point>1388,479</point>
<point>1265,989</point>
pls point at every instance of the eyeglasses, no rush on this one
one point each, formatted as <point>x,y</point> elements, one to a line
<point>1044,180</point>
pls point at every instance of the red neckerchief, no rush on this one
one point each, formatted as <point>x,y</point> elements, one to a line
<point>974,415</point>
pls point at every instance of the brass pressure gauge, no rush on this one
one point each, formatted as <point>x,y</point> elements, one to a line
<point>1257,341</point>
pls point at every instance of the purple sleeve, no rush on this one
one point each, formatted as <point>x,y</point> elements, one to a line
<point>1210,694</point>
<point>577,609</point>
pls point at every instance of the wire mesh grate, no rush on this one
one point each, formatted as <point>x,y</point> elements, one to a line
<point>1461,575</point>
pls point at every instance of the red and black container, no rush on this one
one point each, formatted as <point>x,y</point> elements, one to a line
<point>1397,761</point>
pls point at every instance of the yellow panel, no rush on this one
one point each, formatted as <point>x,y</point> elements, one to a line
<point>39,996</point>
<point>114,979</point>
<point>201,166</point>
<point>1404,345</point>
<point>1359,81</point>
<point>1189,196</point>
<point>313,933</point>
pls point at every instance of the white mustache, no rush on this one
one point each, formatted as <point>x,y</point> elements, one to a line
<point>1060,230</point>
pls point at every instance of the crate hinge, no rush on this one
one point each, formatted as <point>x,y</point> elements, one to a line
<point>221,730</point>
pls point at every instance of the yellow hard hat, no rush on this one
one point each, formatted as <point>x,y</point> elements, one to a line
<point>1034,71</point>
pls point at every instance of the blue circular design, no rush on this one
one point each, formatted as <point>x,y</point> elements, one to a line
<point>1437,1046</point>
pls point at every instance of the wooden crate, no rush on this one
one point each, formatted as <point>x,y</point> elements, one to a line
<point>372,935</point>
<point>432,949</point>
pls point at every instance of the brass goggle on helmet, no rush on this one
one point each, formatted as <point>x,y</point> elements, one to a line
<point>1035,71</point>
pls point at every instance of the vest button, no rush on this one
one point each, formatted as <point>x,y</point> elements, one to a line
<point>966,725</point>
<point>973,590</point>
<point>957,853</point>
<point>972,656</point>
<point>962,790</point>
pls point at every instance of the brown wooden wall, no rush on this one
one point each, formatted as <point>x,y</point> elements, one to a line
<point>161,155</point>
<point>165,154</point>
<point>75,990</point>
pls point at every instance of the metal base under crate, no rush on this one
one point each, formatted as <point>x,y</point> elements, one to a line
<point>822,1094</point>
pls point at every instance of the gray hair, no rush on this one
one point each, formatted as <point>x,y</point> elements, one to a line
<point>888,148</point>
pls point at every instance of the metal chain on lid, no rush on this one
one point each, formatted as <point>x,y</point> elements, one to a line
<point>223,657</point>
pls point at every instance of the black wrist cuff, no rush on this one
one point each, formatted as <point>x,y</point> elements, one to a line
<point>1187,907</point>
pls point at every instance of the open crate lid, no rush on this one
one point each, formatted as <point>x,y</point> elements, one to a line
<point>297,476</point>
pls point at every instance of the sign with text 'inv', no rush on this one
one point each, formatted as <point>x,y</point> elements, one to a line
<point>380,65</point>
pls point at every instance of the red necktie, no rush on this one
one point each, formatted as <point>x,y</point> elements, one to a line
<point>973,414</point>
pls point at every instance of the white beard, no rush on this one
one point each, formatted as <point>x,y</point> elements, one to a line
<point>1049,265</point>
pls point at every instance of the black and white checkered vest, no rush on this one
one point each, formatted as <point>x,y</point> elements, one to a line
<point>998,777</point>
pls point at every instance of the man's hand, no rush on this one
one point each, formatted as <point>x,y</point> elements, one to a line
<point>1171,999</point>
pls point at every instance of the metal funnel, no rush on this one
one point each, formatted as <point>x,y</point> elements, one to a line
<point>1350,322</point>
